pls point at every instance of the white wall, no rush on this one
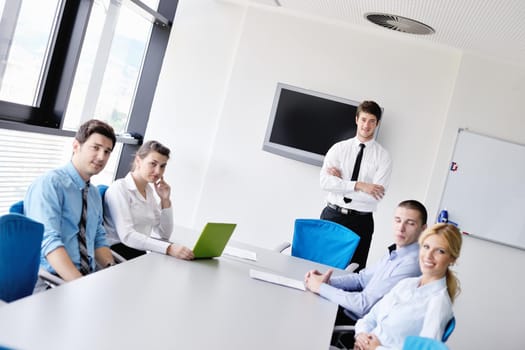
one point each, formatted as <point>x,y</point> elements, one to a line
<point>264,192</point>
<point>213,102</point>
<point>488,98</point>
<point>190,94</point>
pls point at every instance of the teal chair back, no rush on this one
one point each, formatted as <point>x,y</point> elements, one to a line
<point>324,241</point>
<point>422,343</point>
<point>17,208</point>
<point>20,241</point>
<point>451,325</point>
<point>102,190</point>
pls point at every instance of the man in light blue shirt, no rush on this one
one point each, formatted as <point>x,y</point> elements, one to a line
<point>55,199</point>
<point>356,293</point>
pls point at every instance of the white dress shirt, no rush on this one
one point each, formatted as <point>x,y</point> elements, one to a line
<point>133,220</point>
<point>376,168</point>
<point>409,309</point>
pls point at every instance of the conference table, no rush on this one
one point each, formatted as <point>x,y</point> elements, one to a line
<point>160,302</point>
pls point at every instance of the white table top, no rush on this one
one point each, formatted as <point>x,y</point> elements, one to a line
<point>157,301</point>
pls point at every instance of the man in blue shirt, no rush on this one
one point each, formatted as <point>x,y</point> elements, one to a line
<point>356,293</point>
<point>55,199</point>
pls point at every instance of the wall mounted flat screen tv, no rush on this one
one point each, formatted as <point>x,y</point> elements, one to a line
<point>304,124</point>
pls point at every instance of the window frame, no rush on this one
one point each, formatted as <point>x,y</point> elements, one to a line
<point>64,57</point>
<point>61,69</point>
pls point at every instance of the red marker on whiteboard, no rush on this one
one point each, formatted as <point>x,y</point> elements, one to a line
<point>466,233</point>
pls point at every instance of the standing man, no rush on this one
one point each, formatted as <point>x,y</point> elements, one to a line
<point>356,173</point>
<point>71,208</point>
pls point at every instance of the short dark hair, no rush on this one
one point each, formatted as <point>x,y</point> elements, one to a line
<point>370,107</point>
<point>415,205</point>
<point>148,147</point>
<point>95,126</point>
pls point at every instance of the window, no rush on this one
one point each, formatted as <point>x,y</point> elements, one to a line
<point>109,66</point>
<point>26,30</point>
<point>63,62</point>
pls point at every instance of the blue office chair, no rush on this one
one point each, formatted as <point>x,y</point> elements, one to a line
<point>17,208</point>
<point>449,328</point>
<point>20,241</point>
<point>50,279</point>
<point>102,190</point>
<point>323,241</point>
<point>422,343</point>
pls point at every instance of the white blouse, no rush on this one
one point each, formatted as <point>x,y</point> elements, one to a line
<point>134,220</point>
<point>409,309</point>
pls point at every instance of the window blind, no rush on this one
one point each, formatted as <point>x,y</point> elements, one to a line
<point>25,156</point>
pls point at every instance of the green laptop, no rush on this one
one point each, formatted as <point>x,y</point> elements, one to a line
<point>212,240</point>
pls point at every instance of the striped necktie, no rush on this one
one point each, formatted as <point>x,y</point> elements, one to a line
<point>84,257</point>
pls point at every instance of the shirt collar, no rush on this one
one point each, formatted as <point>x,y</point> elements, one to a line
<point>367,143</point>
<point>391,248</point>
<point>409,249</point>
<point>434,286</point>
<point>130,183</point>
<point>75,175</point>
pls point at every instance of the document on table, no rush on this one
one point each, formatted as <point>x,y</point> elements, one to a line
<point>240,253</point>
<point>277,279</point>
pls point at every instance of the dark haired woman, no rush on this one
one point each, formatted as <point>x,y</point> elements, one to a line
<point>137,208</point>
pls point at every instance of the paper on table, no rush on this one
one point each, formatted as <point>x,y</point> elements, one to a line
<point>240,253</point>
<point>277,279</point>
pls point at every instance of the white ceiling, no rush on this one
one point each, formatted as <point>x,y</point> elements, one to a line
<point>492,28</point>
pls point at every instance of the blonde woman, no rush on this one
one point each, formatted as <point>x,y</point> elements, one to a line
<point>134,217</point>
<point>419,306</point>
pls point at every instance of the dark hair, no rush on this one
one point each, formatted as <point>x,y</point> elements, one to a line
<point>415,205</point>
<point>148,147</point>
<point>95,126</point>
<point>452,236</point>
<point>370,107</point>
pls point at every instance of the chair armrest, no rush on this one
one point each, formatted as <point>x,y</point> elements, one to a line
<point>339,331</point>
<point>50,279</point>
<point>344,329</point>
<point>282,247</point>
<point>352,267</point>
<point>117,257</point>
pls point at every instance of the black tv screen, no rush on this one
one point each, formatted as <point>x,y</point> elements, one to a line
<point>304,124</point>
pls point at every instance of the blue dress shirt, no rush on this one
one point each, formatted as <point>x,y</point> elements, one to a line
<point>358,292</point>
<point>55,199</point>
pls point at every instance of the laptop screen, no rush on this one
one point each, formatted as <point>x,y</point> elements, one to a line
<point>213,239</point>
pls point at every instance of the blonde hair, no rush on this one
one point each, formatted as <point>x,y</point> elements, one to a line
<point>452,236</point>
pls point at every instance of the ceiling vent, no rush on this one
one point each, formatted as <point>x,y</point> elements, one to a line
<point>399,23</point>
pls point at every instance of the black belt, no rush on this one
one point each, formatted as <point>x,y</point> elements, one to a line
<point>346,211</point>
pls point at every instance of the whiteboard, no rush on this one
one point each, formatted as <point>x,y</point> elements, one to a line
<point>485,188</point>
